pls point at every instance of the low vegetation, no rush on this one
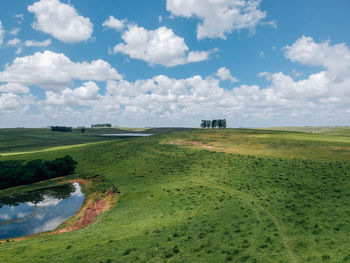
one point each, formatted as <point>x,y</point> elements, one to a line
<point>252,196</point>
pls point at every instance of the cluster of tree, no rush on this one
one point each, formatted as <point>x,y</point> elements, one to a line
<point>106,125</point>
<point>220,123</point>
<point>15,173</point>
<point>61,128</point>
<point>36,196</point>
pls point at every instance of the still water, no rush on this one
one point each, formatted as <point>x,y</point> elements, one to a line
<point>38,211</point>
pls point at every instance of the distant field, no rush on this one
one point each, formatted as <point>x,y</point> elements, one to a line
<point>271,143</point>
<point>22,140</point>
<point>235,195</point>
<point>343,131</point>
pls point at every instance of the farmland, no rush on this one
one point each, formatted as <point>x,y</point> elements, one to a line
<point>234,195</point>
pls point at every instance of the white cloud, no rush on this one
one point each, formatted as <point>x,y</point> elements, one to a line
<point>15,31</point>
<point>13,42</point>
<point>20,18</point>
<point>19,50</point>
<point>54,71</point>
<point>2,34</point>
<point>160,46</point>
<point>225,74</point>
<point>14,88</point>
<point>328,88</point>
<point>270,23</point>
<point>314,87</point>
<point>33,43</point>
<point>9,101</point>
<point>219,17</point>
<point>83,95</point>
<point>321,98</point>
<point>60,20</point>
<point>336,58</point>
<point>114,23</point>
<point>14,104</point>
<point>197,56</point>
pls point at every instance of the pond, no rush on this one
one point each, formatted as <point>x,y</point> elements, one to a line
<point>38,211</point>
<point>127,135</point>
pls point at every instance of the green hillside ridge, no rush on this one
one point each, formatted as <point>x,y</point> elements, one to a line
<point>252,196</point>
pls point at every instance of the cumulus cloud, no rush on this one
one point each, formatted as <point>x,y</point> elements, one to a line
<point>54,71</point>
<point>225,74</point>
<point>160,46</point>
<point>321,98</point>
<point>336,58</point>
<point>114,23</point>
<point>14,87</point>
<point>9,101</point>
<point>220,17</point>
<point>33,43</point>
<point>82,96</point>
<point>2,34</point>
<point>329,85</point>
<point>14,104</point>
<point>60,20</point>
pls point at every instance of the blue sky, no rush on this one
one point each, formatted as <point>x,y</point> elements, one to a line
<point>174,62</point>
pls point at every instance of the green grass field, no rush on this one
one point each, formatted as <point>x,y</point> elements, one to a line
<point>235,195</point>
<point>24,140</point>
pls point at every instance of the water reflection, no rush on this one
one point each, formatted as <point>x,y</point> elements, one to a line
<point>38,211</point>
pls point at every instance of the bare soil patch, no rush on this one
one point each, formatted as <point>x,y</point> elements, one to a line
<point>194,143</point>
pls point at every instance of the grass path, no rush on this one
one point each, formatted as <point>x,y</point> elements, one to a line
<point>253,202</point>
<point>57,148</point>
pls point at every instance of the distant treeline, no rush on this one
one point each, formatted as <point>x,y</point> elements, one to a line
<point>61,128</point>
<point>106,125</point>
<point>15,173</point>
<point>220,123</point>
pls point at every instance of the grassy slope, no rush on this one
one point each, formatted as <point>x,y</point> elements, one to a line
<point>186,204</point>
<point>341,131</point>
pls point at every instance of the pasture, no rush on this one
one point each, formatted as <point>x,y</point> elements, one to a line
<point>234,195</point>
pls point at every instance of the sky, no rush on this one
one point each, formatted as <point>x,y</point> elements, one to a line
<point>169,63</point>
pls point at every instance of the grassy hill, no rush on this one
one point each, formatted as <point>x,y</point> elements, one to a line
<point>234,195</point>
<point>19,140</point>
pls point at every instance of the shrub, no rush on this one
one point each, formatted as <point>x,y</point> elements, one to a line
<point>61,128</point>
<point>15,173</point>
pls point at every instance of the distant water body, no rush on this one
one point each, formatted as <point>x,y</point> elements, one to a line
<point>127,135</point>
<point>38,211</point>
